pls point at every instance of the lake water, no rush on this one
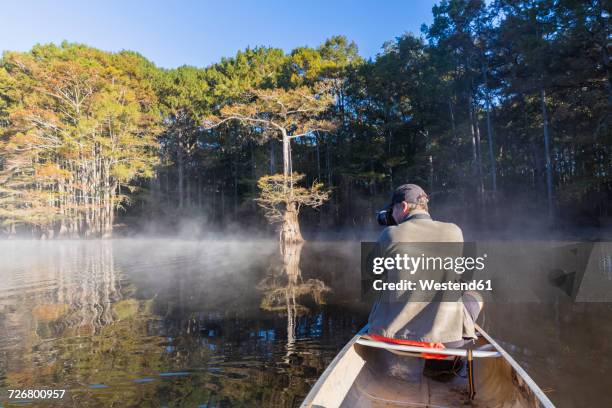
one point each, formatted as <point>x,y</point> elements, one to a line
<point>157,323</point>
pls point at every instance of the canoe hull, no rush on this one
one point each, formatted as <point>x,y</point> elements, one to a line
<point>362,376</point>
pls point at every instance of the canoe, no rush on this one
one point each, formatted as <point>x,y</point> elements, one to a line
<point>368,373</point>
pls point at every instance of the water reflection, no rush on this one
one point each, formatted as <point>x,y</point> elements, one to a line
<point>284,286</point>
<point>87,295</point>
<point>218,324</point>
<point>66,291</point>
<point>564,346</point>
<point>165,323</point>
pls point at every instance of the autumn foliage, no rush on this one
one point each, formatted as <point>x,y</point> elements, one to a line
<point>81,128</point>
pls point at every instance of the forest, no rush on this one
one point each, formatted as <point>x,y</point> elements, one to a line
<point>495,108</point>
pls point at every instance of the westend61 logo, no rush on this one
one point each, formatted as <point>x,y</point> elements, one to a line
<point>412,264</point>
<point>418,271</point>
<point>506,271</point>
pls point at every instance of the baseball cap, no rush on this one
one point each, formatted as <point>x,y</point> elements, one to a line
<point>410,193</point>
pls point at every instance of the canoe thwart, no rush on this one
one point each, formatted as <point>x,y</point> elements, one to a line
<point>477,353</point>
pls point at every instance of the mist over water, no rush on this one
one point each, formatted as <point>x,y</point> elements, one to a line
<point>167,322</point>
<point>232,322</point>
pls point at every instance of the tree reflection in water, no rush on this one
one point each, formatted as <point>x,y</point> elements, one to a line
<point>181,323</point>
<point>71,325</point>
<point>94,288</point>
<point>284,286</point>
<point>175,323</point>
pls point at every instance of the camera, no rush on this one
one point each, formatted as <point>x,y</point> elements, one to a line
<point>385,217</point>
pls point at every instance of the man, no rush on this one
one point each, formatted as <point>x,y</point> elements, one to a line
<point>434,319</point>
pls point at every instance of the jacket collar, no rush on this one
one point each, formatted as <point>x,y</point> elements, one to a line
<point>416,214</point>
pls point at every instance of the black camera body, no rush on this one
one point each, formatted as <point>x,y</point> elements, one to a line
<point>385,217</point>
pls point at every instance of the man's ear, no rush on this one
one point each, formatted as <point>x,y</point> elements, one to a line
<point>405,207</point>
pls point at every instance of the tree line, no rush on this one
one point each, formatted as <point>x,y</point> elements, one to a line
<point>493,108</point>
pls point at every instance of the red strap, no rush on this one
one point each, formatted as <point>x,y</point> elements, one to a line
<point>405,342</point>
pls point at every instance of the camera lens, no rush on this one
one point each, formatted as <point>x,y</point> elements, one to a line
<point>385,218</point>
<point>381,217</point>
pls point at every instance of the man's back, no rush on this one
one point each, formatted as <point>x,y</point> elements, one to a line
<point>423,230</point>
<point>396,314</point>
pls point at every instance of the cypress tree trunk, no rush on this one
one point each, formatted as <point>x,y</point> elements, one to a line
<point>491,153</point>
<point>286,161</point>
<point>479,153</point>
<point>490,134</point>
<point>549,175</point>
<point>452,118</point>
<point>180,169</point>
<point>290,230</point>
<point>475,148</point>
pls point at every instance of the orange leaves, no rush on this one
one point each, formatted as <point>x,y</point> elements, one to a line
<point>295,111</point>
<point>277,193</point>
<point>80,123</point>
<point>21,141</point>
<point>49,312</point>
<point>51,171</point>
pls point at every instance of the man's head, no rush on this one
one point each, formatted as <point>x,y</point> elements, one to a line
<point>406,199</point>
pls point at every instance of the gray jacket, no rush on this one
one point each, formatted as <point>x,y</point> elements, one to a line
<point>394,314</point>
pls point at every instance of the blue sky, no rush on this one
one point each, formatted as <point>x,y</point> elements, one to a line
<point>174,33</point>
